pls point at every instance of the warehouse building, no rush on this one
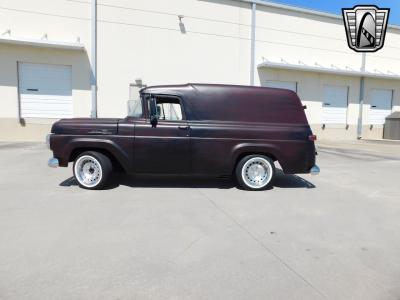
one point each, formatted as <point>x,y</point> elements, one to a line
<point>46,60</point>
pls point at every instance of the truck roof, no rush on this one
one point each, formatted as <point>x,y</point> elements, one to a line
<point>192,87</point>
<point>236,102</point>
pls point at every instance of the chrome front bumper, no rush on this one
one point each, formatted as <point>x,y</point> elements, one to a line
<point>53,162</point>
<point>48,140</point>
<point>315,170</point>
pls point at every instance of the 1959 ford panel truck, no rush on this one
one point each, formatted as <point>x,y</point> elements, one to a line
<point>193,129</point>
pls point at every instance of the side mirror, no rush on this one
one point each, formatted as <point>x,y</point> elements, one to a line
<point>153,112</point>
<point>153,121</point>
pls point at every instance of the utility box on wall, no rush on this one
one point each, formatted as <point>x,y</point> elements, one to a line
<point>392,126</point>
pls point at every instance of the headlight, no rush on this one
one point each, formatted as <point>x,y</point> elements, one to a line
<point>48,140</point>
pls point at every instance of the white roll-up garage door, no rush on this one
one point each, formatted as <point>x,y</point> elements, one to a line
<point>334,106</point>
<point>289,85</point>
<point>45,90</point>
<point>381,105</point>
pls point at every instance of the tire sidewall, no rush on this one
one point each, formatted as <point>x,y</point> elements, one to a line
<point>239,167</point>
<point>105,165</point>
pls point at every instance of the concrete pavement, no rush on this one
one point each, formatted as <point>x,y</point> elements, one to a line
<point>333,236</point>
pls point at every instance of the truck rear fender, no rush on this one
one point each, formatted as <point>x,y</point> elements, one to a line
<point>243,149</point>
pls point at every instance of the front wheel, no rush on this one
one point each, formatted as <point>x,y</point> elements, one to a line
<point>255,172</point>
<point>92,169</point>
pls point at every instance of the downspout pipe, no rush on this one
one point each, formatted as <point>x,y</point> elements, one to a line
<point>361,99</point>
<point>93,58</point>
<point>253,42</point>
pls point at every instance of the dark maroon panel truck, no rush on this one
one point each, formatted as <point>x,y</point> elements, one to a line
<point>192,129</point>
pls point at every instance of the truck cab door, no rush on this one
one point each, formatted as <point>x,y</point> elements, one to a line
<point>162,143</point>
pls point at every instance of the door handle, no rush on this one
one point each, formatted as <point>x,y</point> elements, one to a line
<point>327,104</point>
<point>373,106</point>
<point>184,127</point>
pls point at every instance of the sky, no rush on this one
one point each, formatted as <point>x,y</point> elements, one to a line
<point>335,6</point>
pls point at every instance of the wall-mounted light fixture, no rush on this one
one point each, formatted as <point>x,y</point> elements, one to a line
<point>139,82</point>
<point>181,24</point>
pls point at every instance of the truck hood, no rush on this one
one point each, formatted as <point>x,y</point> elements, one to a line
<point>86,126</point>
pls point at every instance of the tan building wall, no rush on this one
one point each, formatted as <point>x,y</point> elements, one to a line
<point>214,49</point>
<point>376,131</point>
<point>310,90</point>
<point>144,39</point>
<point>36,129</point>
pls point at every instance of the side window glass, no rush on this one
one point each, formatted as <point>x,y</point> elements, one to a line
<point>168,109</point>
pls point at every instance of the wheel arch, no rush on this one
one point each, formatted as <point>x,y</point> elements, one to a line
<point>243,150</point>
<point>107,147</point>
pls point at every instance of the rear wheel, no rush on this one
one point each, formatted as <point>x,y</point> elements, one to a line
<point>255,172</point>
<point>92,169</point>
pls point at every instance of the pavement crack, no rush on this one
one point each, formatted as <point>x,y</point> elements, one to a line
<point>257,240</point>
<point>191,244</point>
<point>186,249</point>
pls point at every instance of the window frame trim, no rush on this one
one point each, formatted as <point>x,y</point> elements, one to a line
<point>154,96</point>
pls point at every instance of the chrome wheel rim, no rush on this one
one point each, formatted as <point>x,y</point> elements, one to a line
<point>257,172</point>
<point>88,171</point>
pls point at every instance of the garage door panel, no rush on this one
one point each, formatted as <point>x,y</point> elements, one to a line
<point>45,90</point>
<point>57,109</point>
<point>53,76</point>
<point>50,84</point>
<point>48,68</point>
<point>34,103</point>
<point>58,86</point>
<point>380,105</point>
<point>52,106</point>
<point>335,116</point>
<point>334,106</point>
<point>45,115</point>
<point>378,118</point>
<point>54,95</point>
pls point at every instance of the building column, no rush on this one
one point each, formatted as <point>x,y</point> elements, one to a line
<point>253,42</point>
<point>93,59</point>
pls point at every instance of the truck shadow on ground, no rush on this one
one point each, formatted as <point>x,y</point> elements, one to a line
<point>157,181</point>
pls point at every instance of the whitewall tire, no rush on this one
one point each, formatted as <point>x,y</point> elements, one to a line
<point>92,169</point>
<point>255,172</point>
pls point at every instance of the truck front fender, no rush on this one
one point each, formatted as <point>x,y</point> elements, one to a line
<point>112,145</point>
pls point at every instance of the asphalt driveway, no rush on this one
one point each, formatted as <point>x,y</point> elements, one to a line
<point>333,236</point>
